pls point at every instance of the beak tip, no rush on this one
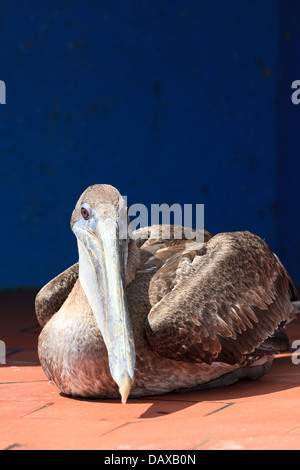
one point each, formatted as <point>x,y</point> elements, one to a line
<point>124,388</point>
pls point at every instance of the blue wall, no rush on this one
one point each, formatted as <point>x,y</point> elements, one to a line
<point>175,101</point>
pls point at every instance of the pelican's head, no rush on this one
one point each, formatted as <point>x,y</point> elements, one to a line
<point>100,224</point>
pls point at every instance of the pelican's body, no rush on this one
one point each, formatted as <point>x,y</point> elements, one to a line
<point>74,356</point>
<point>160,317</point>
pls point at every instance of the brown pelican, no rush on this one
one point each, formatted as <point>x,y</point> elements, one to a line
<point>141,316</point>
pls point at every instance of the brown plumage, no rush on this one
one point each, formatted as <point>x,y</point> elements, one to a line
<point>200,316</point>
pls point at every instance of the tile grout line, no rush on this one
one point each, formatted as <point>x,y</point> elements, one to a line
<point>12,446</point>
<point>117,427</point>
<point>38,409</point>
<point>219,409</point>
<point>201,444</point>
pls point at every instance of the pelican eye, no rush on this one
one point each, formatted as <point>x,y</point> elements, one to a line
<point>85,213</point>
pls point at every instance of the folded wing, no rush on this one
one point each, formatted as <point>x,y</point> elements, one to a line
<point>219,303</point>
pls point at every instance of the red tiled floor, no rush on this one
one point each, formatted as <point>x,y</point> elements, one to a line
<point>34,415</point>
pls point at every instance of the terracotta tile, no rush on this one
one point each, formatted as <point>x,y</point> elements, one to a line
<point>34,415</point>
<point>156,434</point>
<point>271,442</point>
<point>110,410</point>
<point>35,434</point>
<point>23,358</point>
<point>16,373</point>
<point>18,409</point>
<point>26,391</point>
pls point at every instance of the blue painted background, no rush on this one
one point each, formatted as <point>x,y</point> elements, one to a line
<point>174,101</point>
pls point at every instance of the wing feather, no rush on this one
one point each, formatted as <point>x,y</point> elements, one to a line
<point>51,297</point>
<point>231,298</point>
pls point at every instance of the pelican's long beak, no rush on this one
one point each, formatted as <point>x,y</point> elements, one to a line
<point>101,273</point>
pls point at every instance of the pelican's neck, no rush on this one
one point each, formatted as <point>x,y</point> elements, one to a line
<point>132,261</point>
